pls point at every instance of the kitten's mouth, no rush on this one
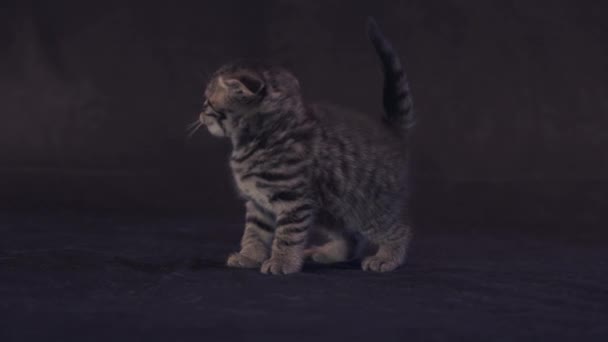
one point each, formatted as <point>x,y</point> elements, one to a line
<point>201,118</point>
<point>207,118</point>
<point>218,115</point>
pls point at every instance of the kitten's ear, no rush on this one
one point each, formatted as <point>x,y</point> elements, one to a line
<point>246,84</point>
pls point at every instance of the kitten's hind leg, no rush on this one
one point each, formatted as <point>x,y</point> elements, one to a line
<point>339,247</point>
<point>335,250</point>
<point>392,249</point>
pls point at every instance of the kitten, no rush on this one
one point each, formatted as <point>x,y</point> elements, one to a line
<point>300,166</point>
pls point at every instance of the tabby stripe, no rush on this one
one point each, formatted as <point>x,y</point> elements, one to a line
<point>284,243</point>
<point>262,210</point>
<point>290,214</point>
<point>397,232</point>
<point>299,186</point>
<point>285,162</point>
<point>266,164</point>
<point>296,229</point>
<point>286,196</point>
<point>245,156</point>
<point>402,95</point>
<point>262,139</point>
<point>273,176</point>
<point>258,143</point>
<point>298,136</point>
<point>302,207</point>
<point>260,224</point>
<point>405,106</point>
<point>291,161</point>
<point>293,220</point>
<point>245,138</point>
<point>250,133</point>
<point>266,161</point>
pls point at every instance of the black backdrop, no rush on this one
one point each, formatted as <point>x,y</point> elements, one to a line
<point>133,221</point>
<point>511,97</point>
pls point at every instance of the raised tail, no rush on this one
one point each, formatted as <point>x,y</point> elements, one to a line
<point>397,98</point>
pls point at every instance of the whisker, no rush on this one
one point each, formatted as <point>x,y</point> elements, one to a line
<point>192,125</point>
<point>194,130</point>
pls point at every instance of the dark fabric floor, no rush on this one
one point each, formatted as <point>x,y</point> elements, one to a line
<point>67,277</point>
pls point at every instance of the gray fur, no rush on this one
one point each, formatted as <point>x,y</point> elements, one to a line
<point>305,169</point>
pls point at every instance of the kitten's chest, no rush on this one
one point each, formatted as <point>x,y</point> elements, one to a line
<point>249,189</point>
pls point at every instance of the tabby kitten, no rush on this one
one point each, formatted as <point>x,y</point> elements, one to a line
<point>305,169</point>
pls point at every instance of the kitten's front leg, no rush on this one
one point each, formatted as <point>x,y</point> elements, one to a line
<point>256,240</point>
<point>294,219</point>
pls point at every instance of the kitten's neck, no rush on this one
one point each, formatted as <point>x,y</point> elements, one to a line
<point>265,125</point>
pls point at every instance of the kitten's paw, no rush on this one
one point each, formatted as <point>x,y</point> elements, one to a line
<point>240,261</point>
<point>379,264</point>
<point>280,266</point>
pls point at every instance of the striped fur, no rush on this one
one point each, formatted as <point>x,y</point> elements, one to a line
<point>398,104</point>
<point>314,170</point>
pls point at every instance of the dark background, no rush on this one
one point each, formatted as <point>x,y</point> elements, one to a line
<point>111,216</point>
<point>511,98</point>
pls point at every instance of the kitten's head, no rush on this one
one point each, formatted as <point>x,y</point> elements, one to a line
<point>238,91</point>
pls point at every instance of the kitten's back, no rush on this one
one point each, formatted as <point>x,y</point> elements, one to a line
<point>347,122</point>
